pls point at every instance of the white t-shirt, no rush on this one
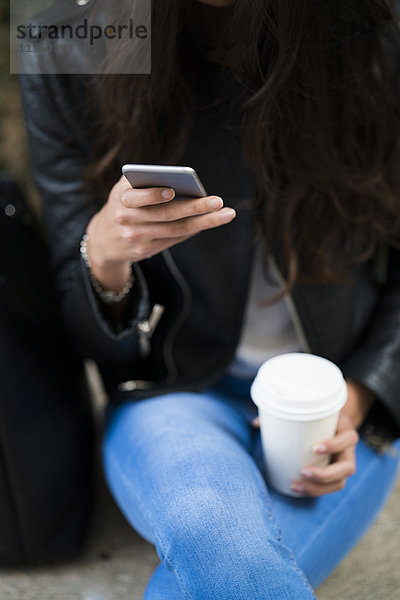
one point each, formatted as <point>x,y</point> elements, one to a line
<point>266,330</point>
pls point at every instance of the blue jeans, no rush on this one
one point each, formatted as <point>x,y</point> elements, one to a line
<point>186,470</point>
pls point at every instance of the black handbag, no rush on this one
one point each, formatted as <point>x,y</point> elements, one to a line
<point>46,424</point>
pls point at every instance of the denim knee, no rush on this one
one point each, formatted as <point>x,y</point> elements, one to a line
<point>203,518</point>
<point>237,549</point>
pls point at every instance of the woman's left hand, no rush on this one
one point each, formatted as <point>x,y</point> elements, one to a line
<point>317,481</point>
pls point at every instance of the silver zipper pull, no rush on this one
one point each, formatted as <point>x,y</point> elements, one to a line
<point>155,316</point>
<point>146,327</point>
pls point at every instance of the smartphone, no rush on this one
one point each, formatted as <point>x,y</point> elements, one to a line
<point>184,180</point>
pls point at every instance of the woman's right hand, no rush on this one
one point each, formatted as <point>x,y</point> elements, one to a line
<point>136,224</point>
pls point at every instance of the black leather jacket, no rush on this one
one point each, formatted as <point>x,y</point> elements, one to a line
<point>201,283</point>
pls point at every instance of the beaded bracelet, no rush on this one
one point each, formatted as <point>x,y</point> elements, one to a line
<point>107,296</point>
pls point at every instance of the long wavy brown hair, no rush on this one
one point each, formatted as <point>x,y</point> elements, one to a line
<point>320,121</point>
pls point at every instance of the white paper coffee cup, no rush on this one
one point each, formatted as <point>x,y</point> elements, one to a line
<point>299,397</point>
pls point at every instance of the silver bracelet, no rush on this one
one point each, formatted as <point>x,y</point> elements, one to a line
<point>107,296</point>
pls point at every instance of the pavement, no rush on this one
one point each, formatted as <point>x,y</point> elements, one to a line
<point>116,563</point>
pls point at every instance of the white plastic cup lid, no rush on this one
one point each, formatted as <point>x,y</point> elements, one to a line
<point>299,386</point>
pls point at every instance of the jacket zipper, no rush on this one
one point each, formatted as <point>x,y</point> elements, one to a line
<point>294,315</point>
<point>147,320</point>
<point>145,328</point>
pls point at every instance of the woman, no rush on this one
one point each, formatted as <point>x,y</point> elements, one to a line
<point>288,112</point>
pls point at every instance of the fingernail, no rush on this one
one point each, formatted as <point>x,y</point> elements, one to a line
<point>297,487</point>
<point>215,202</point>
<point>307,473</point>
<point>168,194</point>
<point>228,214</point>
<point>320,448</point>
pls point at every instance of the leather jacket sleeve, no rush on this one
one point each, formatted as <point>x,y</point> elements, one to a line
<point>375,360</point>
<point>60,154</point>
